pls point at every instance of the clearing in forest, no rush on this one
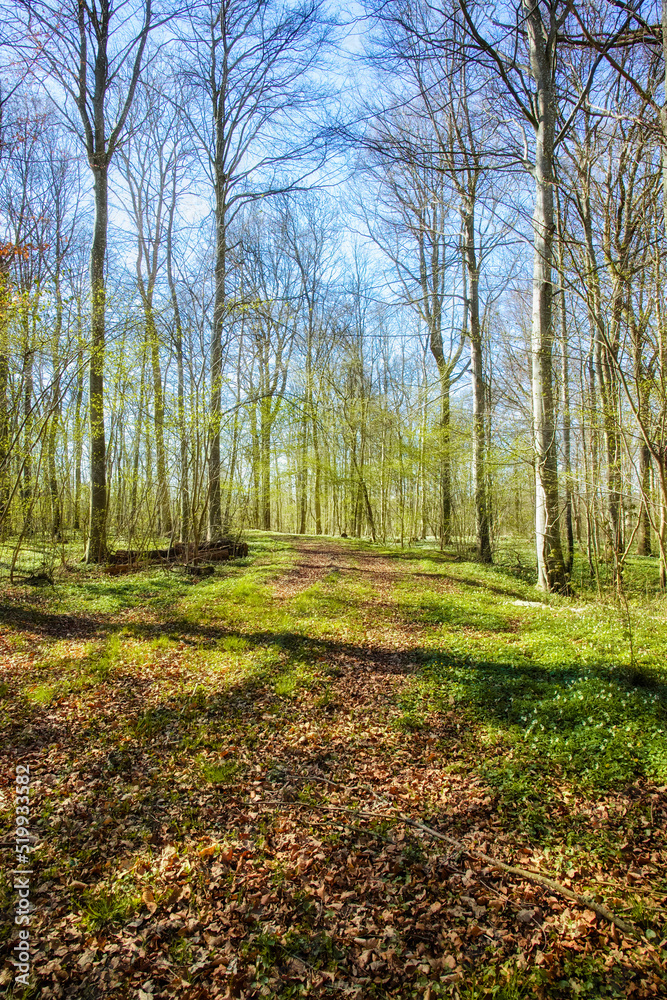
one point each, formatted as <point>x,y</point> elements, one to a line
<point>231,779</point>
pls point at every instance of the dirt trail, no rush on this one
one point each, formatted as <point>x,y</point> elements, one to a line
<point>388,640</point>
<point>315,560</point>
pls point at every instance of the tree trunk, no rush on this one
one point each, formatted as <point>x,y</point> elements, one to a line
<point>185,511</point>
<point>214,501</point>
<point>565,389</point>
<point>137,447</point>
<point>302,473</point>
<point>27,377</point>
<point>56,510</point>
<point>78,437</point>
<point>5,492</point>
<point>663,339</point>
<point>445,459</point>
<point>164,513</point>
<point>227,518</point>
<point>317,486</point>
<point>97,529</point>
<point>183,441</point>
<point>265,459</point>
<point>605,365</point>
<point>550,566</point>
<point>479,416</point>
<point>644,530</point>
<point>255,465</point>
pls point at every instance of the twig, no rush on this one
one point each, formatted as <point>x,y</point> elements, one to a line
<point>549,883</point>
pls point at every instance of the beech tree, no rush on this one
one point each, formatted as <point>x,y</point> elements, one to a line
<point>445,145</point>
<point>249,74</point>
<point>86,50</point>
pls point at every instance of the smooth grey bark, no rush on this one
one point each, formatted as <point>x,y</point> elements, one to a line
<point>185,506</point>
<point>97,526</point>
<point>538,108</point>
<point>565,397</point>
<point>551,573</point>
<point>479,415</point>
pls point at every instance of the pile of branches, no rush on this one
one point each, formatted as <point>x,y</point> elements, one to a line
<point>188,555</point>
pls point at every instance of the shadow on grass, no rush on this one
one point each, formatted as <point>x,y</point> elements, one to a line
<point>473,584</point>
<point>523,573</point>
<point>557,721</point>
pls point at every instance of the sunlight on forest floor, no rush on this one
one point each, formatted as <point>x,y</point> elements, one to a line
<point>221,766</point>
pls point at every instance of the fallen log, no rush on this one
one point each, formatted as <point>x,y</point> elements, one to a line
<point>123,556</point>
<point>236,549</point>
<point>124,561</point>
<point>120,569</point>
<point>193,569</point>
<point>217,554</point>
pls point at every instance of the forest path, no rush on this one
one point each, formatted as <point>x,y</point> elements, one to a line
<point>222,766</point>
<point>370,577</point>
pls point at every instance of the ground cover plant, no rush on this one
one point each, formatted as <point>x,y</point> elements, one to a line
<point>228,773</point>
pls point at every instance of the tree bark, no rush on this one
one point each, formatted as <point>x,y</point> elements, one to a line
<point>215,506</point>
<point>265,458</point>
<point>550,565</point>
<point>185,509</point>
<point>78,434</point>
<point>317,486</point>
<point>565,389</point>
<point>5,491</point>
<point>97,528</point>
<point>164,512</point>
<point>479,416</point>
<point>302,474</point>
<point>255,465</point>
<point>644,530</point>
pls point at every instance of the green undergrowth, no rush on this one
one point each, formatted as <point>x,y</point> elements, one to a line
<point>561,693</point>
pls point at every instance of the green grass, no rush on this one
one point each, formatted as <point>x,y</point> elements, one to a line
<point>220,774</point>
<point>40,694</point>
<point>100,909</point>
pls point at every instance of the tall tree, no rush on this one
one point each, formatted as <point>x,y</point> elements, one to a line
<point>151,166</point>
<point>536,35</point>
<point>94,53</point>
<point>251,64</point>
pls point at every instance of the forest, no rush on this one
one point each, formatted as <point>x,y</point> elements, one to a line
<point>333,498</point>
